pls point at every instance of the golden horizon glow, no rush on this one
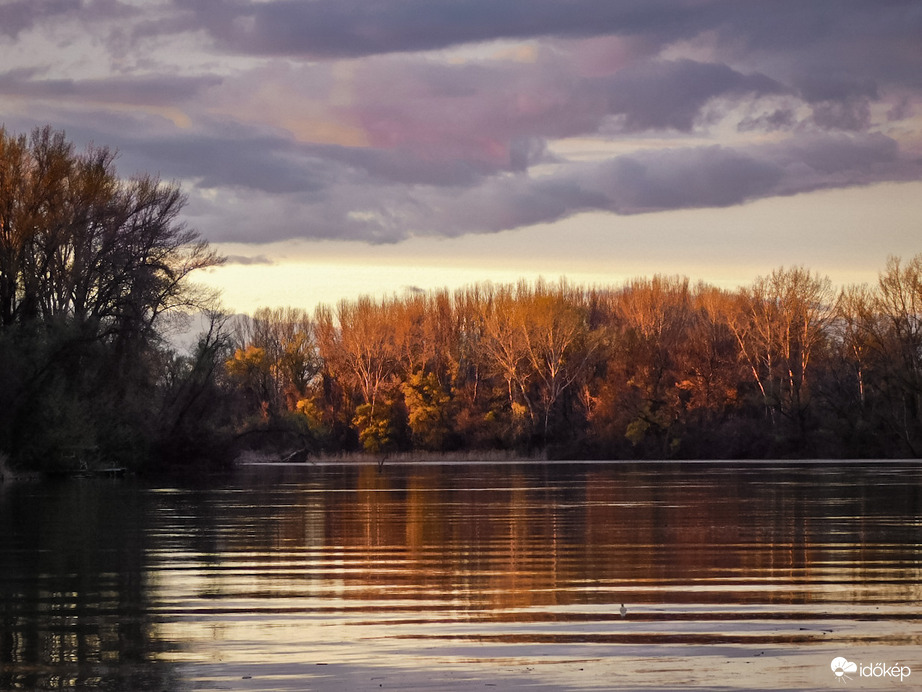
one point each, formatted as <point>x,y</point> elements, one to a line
<point>845,234</point>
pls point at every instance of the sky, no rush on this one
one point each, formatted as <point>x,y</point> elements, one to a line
<point>335,147</point>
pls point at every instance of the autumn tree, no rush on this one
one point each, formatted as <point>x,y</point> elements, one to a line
<point>854,330</point>
<point>780,324</point>
<point>359,350</point>
<point>90,266</point>
<point>897,343</point>
<point>654,368</point>
<point>76,241</point>
<point>276,356</point>
<point>250,370</point>
<point>427,339</point>
<point>558,345</point>
<point>430,412</point>
<point>648,324</point>
<point>479,392</point>
<point>505,344</point>
<point>711,369</point>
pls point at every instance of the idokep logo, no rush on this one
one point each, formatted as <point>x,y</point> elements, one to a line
<point>841,667</point>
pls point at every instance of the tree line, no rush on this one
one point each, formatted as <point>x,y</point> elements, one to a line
<point>95,270</point>
<point>655,368</point>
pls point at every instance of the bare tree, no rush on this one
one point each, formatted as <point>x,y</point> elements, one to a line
<point>360,352</point>
<point>897,339</point>
<point>76,241</point>
<point>557,340</point>
<point>781,322</point>
<point>90,265</point>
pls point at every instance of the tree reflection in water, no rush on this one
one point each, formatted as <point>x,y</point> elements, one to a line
<point>73,594</point>
<point>308,576</point>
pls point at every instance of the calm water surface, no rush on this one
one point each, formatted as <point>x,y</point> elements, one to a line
<point>473,576</point>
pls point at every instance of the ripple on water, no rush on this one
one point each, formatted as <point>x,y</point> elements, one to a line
<point>449,576</point>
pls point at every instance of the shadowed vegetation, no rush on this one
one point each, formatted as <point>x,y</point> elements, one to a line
<point>92,269</point>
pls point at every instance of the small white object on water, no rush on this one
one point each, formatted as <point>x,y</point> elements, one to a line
<point>623,611</point>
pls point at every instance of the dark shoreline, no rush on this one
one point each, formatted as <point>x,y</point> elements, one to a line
<point>447,460</point>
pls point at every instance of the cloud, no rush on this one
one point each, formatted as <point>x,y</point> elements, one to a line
<point>777,119</point>
<point>249,184</point>
<point>803,42</point>
<point>246,260</point>
<point>827,161</point>
<point>21,15</point>
<point>712,176</point>
<point>643,182</point>
<point>663,95</point>
<point>377,121</point>
<point>136,90</point>
<point>827,49</point>
<point>353,28</point>
<point>216,160</point>
<point>401,166</point>
<point>682,178</point>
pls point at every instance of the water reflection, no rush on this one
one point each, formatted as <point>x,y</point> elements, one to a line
<point>294,577</point>
<point>73,597</point>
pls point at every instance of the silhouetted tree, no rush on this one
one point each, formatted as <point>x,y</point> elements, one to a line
<point>90,264</point>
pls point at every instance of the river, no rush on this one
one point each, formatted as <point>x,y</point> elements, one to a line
<point>451,576</point>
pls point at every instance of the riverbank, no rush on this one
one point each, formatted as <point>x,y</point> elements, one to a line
<point>256,458</point>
